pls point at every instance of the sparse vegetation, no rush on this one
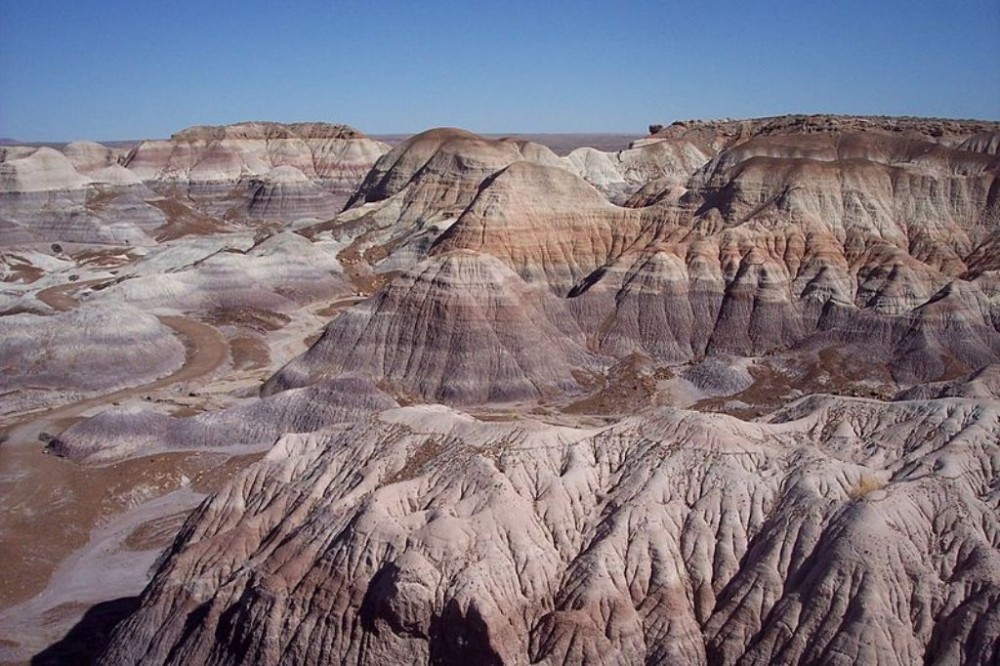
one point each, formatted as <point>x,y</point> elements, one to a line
<point>865,485</point>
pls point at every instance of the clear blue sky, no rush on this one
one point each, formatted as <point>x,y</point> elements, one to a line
<point>115,69</point>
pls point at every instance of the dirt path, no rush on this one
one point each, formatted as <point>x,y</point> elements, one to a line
<point>206,351</point>
<point>60,297</point>
<point>50,506</point>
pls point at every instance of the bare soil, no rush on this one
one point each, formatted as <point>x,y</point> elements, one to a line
<point>50,505</point>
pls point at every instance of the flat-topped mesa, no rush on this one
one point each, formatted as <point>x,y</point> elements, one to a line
<point>940,129</point>
<point>220,168</point>
<point>231,152</point>
<point>267,130</point>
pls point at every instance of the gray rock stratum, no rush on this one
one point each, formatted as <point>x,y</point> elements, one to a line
<point>841,532</point>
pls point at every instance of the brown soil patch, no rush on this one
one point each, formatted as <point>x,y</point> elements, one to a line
<point>341,228</point>
<point>183,221</point>
<point>50,517</point>
<point>249,353</point>
<point>369,284</point>
<point>358,257</point>
<point>312,339</point>
<point>357,262</point>
<point>22,271</point>
<point>255,319</point>
<point>338,306</point>
<point>377,253</point>
<point>836,371</point>
<point>61,296</point>
<point>112,257</point>
<point>187,410</point>
<point>629,387</point>
<point>425,453</point>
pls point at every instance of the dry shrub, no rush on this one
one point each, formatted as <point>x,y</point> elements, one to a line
<point>865,485</point>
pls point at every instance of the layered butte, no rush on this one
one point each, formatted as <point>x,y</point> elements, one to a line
<point>199,181</point>
<point>272,170</point>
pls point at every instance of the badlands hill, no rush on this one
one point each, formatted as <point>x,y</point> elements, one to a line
<point>203,179</point>
<point>728,395</point>
<point>779,246</point>
<point>425,536</point>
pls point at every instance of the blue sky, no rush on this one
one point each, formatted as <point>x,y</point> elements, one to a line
<point>114,69</point>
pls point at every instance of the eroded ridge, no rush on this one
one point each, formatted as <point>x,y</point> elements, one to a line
<point>843,531</point>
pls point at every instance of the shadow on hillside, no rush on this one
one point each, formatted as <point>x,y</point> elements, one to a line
<point>87,639</point>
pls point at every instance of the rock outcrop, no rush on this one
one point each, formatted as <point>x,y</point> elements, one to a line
<point>459,328</point>
<point>842,532</point>
<point>793,235</point>
<point>416,192</point>
<point>259,170</point>
<point>231,175</point>
<point>46,198</point>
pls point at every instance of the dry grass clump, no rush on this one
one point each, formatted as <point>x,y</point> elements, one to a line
<point>866,484</point>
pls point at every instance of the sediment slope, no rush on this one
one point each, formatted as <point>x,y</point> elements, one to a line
<point>844,532</point>
<point>460,328</point>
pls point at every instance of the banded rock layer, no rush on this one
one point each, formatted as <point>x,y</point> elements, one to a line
<point>461,328</point>
<point>200,180</point>
<point>829,530</point>
<point>266,170</point>
<point>778,243</point>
